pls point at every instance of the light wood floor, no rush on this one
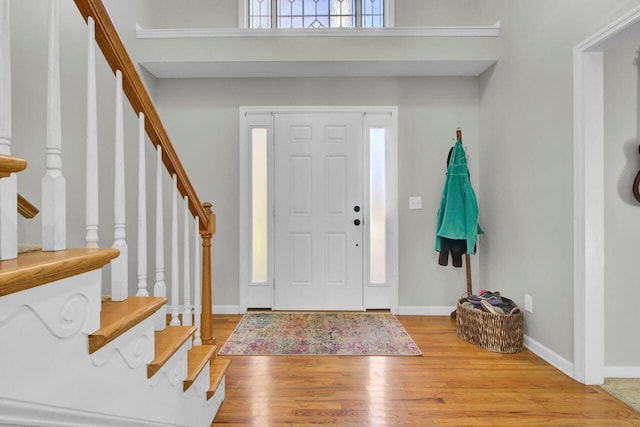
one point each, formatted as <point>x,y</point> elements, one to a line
<point>452,384</point>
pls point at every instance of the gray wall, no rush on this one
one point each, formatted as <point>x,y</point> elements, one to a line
<point>526,122</point>
<point>517,120</point>
<point>188,14</point>
<point>202,119</point>
<point>416,13</point>
<point>29,71</point>
<point>202,116</point>
<point>622,163</point>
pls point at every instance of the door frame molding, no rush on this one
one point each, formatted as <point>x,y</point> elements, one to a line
<point>588,200</point>
<point>262,116</point>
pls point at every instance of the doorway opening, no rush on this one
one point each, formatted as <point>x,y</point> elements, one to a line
<point>589,196</point>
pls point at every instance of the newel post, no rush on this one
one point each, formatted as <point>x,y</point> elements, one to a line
<point>206,235</point>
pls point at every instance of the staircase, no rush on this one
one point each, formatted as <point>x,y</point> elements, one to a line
<point>71,356</point>
<point>71,359</point>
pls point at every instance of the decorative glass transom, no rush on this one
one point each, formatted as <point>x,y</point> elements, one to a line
<point>316,13</point>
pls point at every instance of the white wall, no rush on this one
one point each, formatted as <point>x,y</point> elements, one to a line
<point>622,211</point>
<point>527,159</point>
<point>202,117</point>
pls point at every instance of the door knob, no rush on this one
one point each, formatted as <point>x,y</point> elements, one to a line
<point>356,208</point>
<point>356,222</point>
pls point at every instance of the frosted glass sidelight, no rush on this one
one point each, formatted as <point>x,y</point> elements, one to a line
<point>259,231</point>
<point>377,196</point>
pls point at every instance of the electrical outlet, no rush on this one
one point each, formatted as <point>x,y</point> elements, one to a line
<point>528,303</point>
<point>415,202</point>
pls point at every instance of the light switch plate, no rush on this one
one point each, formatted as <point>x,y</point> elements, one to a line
<point>415,202</point>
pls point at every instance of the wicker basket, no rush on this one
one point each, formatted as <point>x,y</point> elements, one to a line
<point>501,333</point>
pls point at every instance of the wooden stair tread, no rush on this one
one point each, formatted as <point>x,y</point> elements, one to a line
<point>167,342</point>
<point>11,164</point>
<point>117,317</point>
<point>198,357</point>
<point>218,371</point>
<point>33,269</point>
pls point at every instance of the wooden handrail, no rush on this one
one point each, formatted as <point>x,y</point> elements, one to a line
<point>26,208</point>
<point>11,164</point>
<point>117,57</point>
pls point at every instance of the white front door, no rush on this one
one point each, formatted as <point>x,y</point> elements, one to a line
<point>318,211</point>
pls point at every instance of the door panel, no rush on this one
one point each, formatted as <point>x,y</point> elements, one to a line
<point>301,185</point>
<point>336,258</point>
<point>301,265</point>
<point>318,181</point>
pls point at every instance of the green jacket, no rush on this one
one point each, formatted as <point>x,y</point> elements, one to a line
<point>458,213</point>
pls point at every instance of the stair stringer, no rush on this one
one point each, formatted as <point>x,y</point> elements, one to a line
<point>198,390</point>
<point>175,370</point>
<point>135,347</point>
<point>48,374</point>
<point>64,307</point>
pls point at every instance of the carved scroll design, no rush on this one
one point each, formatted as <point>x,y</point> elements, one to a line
<point>62,321</point>
<point>175,371</point>
<point>135,352</point>
<point>200,386</point>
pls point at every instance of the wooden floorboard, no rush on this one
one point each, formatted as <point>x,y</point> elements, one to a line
<point>452,384</point>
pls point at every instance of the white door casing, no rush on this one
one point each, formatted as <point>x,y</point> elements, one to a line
<point>318,217</point>
<point>589,230</point>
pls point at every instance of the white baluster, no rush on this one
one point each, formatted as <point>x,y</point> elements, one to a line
<point>175,284</point>
<point>187,315</point>
<point>91,196</point>
<point>160,288</point>
<point>54,210</point>
<point>197,279</point>
<point>8,186</point>
<point>119,266</point>
<point>142,211</point>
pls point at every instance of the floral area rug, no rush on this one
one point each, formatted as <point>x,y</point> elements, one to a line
<point>320,333</point>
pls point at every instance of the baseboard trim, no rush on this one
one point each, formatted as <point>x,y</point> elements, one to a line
<point>622,371</point>
<point>549,356</point>
<point>227,309</point>
<point>404,311</point>
<point>21,413</point>
<point>425,310</point>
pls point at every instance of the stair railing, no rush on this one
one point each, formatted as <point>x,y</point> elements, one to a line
<point>102,32</point>
<point>107,39</point>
